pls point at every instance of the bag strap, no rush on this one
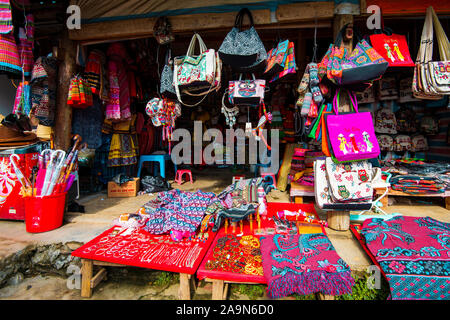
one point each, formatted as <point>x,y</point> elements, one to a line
<point>352,97</point>
<point>253,76</point>
<point>240,18</point>
<point>426,41</point>
<point>191,47</point>
<point>356,35</point>
<point>441,37</point>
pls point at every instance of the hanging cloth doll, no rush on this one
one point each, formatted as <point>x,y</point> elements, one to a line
<point>257,132</point>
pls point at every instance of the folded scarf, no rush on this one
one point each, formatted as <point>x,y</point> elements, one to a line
<point>304,264</point>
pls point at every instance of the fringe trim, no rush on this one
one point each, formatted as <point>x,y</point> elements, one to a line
<point>311,282</point>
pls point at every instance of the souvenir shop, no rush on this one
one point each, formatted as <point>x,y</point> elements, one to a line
<point>362,117</point>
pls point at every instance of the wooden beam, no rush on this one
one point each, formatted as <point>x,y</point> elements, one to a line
<point>143,27</point>
<point>98,277</point>
<point>63,116</point>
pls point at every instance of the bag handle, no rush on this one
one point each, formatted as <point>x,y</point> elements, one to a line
<point>253,76</point>
<point>191,47</point>
<point>441,37</point>
<point>352,97</point>
<point>240,18</point>
<point>356,35</point>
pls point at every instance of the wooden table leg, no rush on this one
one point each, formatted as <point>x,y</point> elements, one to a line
<point>185,288</point>
<point>338,220</point>
<point>86,277</point>
<point>298,200</point>
<point>447,203</point>
<point>321,296</point>
<point>217,290</point>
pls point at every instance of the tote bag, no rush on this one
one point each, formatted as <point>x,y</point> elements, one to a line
<point>393,48</point>
<point>242,48</point>
<point>166,87</point>
<point>276,59</point>
<point>361,65</point>
<point>246,92</point>
<point>289,63</point>
<point>351,135</point>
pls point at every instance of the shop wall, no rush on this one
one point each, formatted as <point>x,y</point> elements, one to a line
<point>7,95</point>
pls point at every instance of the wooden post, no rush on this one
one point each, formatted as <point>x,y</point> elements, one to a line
<point>338,220</point>
<point>67,67</point>
<point>185,288</point>
<point>447,203</point>
<point>321,296</point>
<point>86,277</point>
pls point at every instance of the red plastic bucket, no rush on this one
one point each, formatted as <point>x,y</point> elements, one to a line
<point>44,213</point>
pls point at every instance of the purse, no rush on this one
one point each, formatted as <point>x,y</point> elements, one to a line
<point>246,92</point>
<point>392,47</point>
<point>276,59</point>
<point>243,48</point>
<point>351,135</point>
<point>289,63</point>
<point>166,88</point>
<point>192,73</point>
<point>363,64</point>
<point>432,78</point>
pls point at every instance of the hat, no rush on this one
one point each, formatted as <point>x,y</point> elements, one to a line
<point>44,132</point>
<point>10,137</point>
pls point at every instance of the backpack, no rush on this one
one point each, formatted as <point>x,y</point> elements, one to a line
<point>406,120</point>
<point>429,125</point>
<point>386,142</point>
<point>385,121</point>
<point>419,143</point>
<point>402,143</point>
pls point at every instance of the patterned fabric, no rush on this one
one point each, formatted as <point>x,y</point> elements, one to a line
<point>177,210</point>
<point>303,264</point>
<point>349,182</point>
<point>43,90</point>
<point>9,55</point>
<point>414,253</point>
<point>95,71</point>
<point>88,123</point>
<point>22,102</point>
<point>25,47</point>
<point>416,184</point>
<point>6,25</point>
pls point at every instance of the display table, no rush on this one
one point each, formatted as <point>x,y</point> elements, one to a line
<point>118,247</point>
<point>235,256</point>
<point>299,191</point>
<point>385,199</point>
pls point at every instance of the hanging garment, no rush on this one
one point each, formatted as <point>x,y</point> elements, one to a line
<point>303,264</point>
<point>22,102</point>
<point>6,24</point>
<point>95,72</point>
<point>25,48</point>
<point>414,254</point>
<point>88,123</point>
<point>43,90</point>
<point>118,107</point>
<point>9,55</point>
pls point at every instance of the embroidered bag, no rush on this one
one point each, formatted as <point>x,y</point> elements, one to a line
<point>243,48</point>
<point>392,47</point>
<point>385,142</point>
<point>351,135</point>
<point>200,72</point>
<point>406,120</point>
<point>276,59</point>
<point>385,121</point>
<point>419,143</point>
<point>350,182</point>
<point>167,89</point>
<point>289,64</point>
<point>402,143</point>
<point>429,125</point>
<point>246,92</point>
<point>361,65</point>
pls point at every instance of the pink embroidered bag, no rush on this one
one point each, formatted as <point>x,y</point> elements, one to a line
<point>351,135</point>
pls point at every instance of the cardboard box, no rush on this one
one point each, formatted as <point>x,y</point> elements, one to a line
<point>128,189</point>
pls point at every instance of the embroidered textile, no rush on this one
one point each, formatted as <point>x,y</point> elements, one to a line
<point>303,264</point>
<point>414,254</point>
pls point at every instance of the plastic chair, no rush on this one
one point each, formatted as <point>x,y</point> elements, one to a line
<point>160,158</point>
<point>179,176</point>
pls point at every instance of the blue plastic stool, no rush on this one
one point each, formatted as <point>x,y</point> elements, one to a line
<point>160,158</point>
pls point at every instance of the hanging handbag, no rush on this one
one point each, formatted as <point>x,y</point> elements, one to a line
<point>351,135</point>
<point>242,48</point>
<point>363,64</point>
<point>163,31</point>
<point>246,92</point>
<point>192,73</point>
<point>276,60</point>
<point>432,78</point>
<point>392,47</point>
<point>166,88</point>
<point>289,63</point>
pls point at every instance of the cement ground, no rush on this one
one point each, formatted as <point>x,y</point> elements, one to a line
<point>79,228</point>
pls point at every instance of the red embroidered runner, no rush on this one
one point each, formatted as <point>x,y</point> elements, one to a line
<point>138,248</point>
